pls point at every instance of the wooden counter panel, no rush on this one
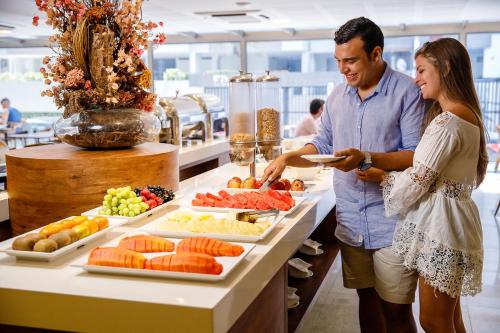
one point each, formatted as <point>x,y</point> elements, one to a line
<point>48,183</point>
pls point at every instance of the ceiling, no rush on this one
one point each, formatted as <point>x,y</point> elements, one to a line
<point>193,16</point>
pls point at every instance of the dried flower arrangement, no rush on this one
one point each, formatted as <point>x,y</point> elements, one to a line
<point>98,65</point>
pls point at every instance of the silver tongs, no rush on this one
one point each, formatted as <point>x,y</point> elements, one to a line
<point>253,215</point>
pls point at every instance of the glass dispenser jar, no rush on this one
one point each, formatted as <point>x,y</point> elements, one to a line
<point>242,119</point>
<point>268,116</point>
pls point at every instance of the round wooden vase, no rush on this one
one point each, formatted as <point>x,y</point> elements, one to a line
<point>49,183</point>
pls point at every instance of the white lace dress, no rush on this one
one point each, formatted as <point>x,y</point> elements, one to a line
<point>439,233</point>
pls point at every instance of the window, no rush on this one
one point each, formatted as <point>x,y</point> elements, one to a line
<point>192,67</point>
<point>20,77</point>
<point>484,52</point>
<point>306,69</point>
<point>399,51</point>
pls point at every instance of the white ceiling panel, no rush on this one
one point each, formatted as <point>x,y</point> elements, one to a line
<point>179,16</point>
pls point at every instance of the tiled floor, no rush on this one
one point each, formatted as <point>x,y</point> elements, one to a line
<point>335,309</point>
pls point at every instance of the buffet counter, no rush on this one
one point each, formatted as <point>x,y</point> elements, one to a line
<point>56,295</point>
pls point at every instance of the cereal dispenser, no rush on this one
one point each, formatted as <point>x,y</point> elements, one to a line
<point>268,116</point>
<point>241,115</point>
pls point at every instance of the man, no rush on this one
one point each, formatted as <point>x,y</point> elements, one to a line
<point>373,119</point>
<point>10,116</point>
<point>309,125</point>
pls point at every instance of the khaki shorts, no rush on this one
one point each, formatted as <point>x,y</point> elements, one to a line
<point>381,269</point>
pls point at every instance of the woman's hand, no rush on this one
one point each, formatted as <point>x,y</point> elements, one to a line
<point>373,175</point>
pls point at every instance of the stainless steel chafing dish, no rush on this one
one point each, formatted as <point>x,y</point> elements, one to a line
<point>191,118</point>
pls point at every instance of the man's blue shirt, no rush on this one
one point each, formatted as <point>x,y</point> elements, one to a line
<point>388,120</point>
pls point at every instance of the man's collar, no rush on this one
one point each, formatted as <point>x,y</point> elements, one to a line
<point>381,87</point>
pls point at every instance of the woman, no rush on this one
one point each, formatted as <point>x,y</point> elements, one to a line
<point>440,234</point>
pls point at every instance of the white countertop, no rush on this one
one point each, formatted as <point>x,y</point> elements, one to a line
<point>202,151</point>
<point>183,306</point>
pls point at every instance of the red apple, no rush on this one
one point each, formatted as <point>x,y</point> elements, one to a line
<point>286,184</point>
<point>298,185</point>
<point>278,186</point>
<point>249,183</point>
<point>234,182</point>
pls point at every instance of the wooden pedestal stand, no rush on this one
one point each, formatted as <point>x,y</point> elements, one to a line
<point>49,183</point>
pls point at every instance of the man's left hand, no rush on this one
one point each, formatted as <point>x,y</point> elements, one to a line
<point>352,161</point>
<point>373,175</point>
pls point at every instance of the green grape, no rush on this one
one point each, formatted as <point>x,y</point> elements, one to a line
<point>137,210</point>
<point>108,197</point>
<point>114,209</point>
<point>121,206</point>
<point>125,210</point>
<point>107,211</point>
<point>131,214</point>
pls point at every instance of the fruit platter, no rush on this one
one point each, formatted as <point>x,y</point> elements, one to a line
<point>133,205</point>
<point>223,201</point>
<point>296,187</point>
<point>139,254</point>
<point>223,226</point>
<point>61,237</point>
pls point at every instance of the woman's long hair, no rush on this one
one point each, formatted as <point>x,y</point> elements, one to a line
<point>452,61</point>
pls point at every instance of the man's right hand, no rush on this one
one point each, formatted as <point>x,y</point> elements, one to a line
<point>275,169</point>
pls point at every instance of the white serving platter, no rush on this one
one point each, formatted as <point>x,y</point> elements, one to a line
<point>228,264</point>
<point>320,158</point>
<point>146,215</point>
<point>49,256</point>
<point>154,229</point>
<point>298,202</point>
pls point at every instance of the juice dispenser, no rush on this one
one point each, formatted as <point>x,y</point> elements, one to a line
<point>241,116</point>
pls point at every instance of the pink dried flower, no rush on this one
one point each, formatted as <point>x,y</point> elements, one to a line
<point>74,78</point>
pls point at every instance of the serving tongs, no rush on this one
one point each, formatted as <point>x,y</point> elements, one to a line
<point>253,215</point>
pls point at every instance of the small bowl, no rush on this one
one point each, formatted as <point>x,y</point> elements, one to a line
<point>304,173</point>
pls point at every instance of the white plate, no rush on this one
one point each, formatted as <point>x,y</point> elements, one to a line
<point>228,264</point>
<point>298,202</point>
<point>152,229</point>
<point>319,158</point>
<point>146,215</point>
<point>307,191</point>
<point>49,256</point>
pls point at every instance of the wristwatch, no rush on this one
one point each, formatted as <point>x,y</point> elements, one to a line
<point>366,163</point>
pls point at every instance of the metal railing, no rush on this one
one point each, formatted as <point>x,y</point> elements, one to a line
<point>488,92</point>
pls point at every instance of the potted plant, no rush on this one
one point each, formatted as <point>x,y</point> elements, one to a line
<point>98,76</point>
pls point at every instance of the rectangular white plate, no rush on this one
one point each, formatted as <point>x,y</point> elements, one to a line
<point>49,256</point>
<point>146,215</point>
<point>152,228</point>
<point>298,201</point>
<point>320,158</point>
<point>228,264</point>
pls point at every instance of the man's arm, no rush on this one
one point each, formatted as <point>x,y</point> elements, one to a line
<point>321,144</point>
<point>410,125</point>
<point>392,161</point>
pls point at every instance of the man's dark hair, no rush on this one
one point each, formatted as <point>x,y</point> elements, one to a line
<point>370,33</point>
<point>315,105</point>
<point>4,100</point>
